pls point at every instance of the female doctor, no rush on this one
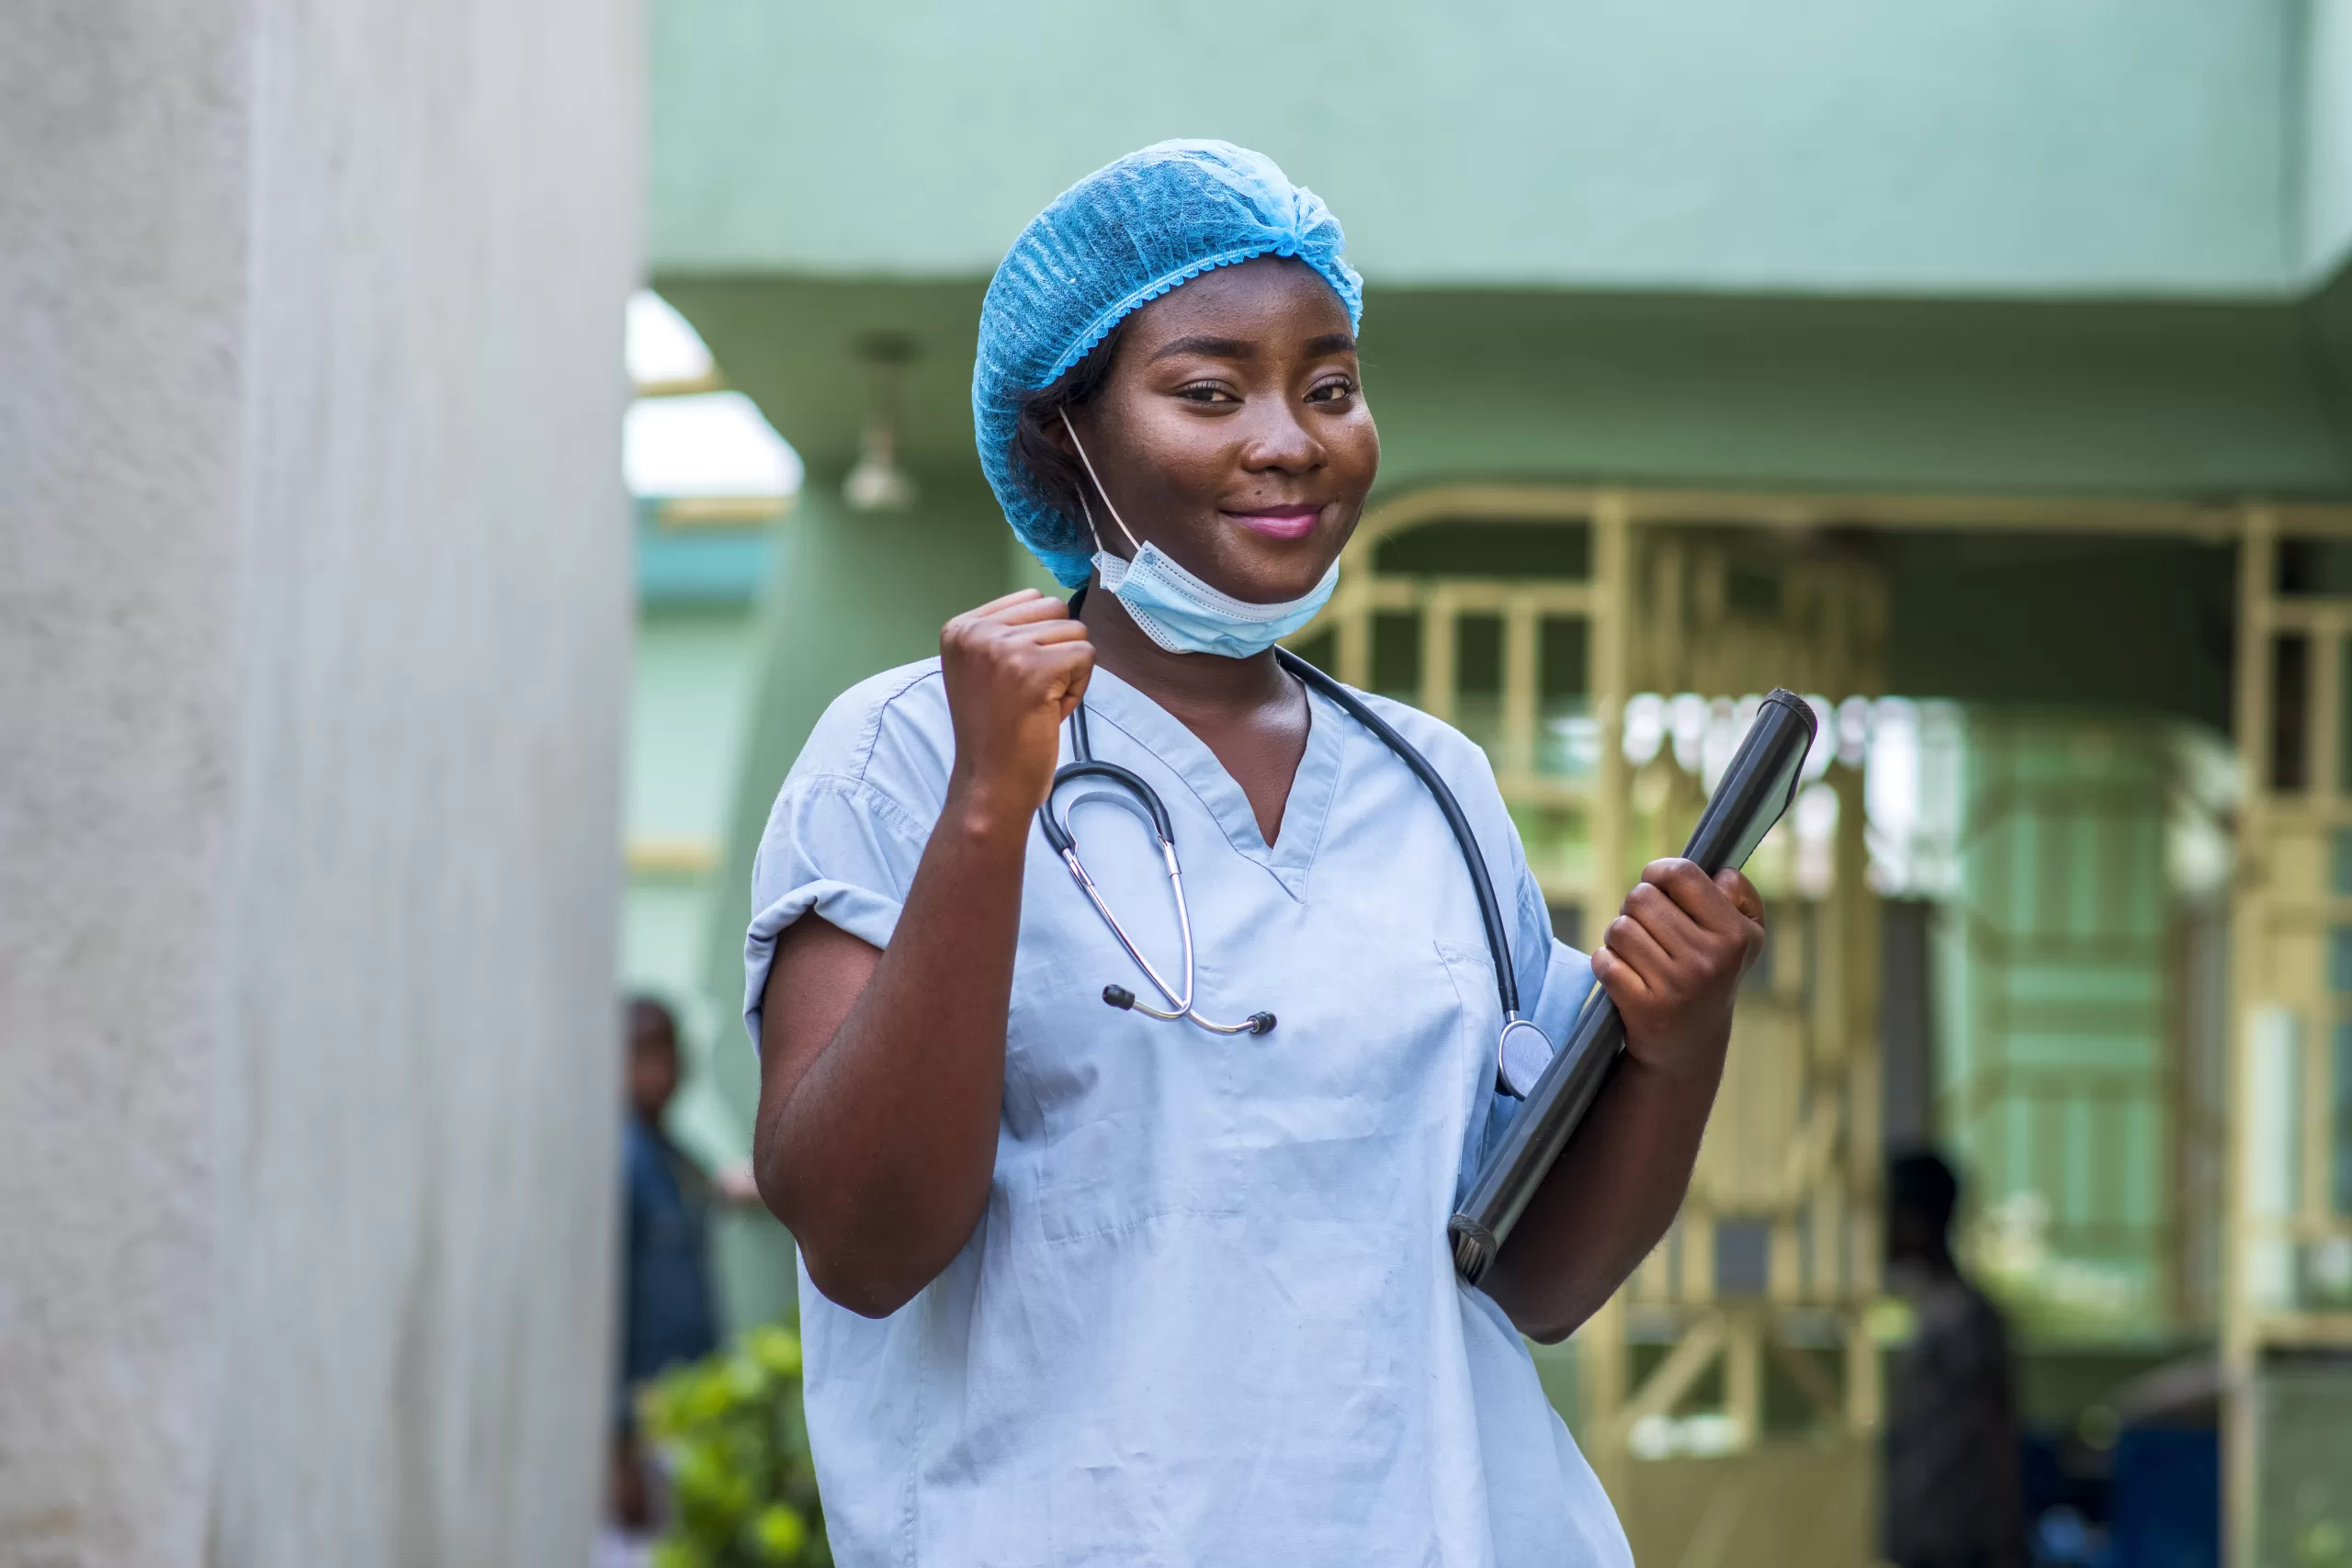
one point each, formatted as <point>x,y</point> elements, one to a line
<point>1082,1285</point>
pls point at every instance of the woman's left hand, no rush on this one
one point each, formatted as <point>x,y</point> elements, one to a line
<point>1672,963</point>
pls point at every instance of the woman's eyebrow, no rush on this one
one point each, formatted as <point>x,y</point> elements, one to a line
<point>1237,348</point>
<point>1211,347</point>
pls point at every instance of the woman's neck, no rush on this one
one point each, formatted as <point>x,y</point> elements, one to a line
<point>1250,713</point>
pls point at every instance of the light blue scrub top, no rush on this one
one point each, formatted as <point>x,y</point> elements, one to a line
<point>1210,1315</point>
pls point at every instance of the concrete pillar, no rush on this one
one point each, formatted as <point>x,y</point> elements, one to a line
<point>314,613</point>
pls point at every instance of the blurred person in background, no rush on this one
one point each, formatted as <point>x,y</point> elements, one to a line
<point>1081,1284</point>
<point>669,1311</point>
<point>1953,1494</point>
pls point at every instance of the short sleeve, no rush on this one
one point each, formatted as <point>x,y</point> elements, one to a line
<point>1553,979</point>
<point>836,847</point>
<point>1555,993</point>
<point>1555,982</point>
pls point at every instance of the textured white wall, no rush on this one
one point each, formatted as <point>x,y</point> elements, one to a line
<point>121,309</point>
<point>313,626</point>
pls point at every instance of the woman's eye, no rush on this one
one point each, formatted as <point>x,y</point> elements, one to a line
<point>1337,390</point>
<point>1205,392</point>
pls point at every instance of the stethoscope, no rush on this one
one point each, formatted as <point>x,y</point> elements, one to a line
<point>1521,1049</point>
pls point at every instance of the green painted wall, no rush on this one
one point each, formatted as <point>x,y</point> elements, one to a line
<point>2181,400</point>
<point>691,684</point>
<point>2323,167</point>
<point>689,708</point>
<point>695,672</point>
<point>1994,146</point>
<point>2112,399</point>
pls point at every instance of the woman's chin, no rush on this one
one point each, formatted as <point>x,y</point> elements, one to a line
<point>1273,570</point>
<point>1258,570</point>
<point>1276,587</point>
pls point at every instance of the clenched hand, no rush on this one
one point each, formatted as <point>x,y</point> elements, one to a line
<point>1015,667</point>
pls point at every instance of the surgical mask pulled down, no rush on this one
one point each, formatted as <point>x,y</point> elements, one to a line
<point>1176,609</point>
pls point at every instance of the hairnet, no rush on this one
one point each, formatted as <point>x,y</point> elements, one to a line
<point>1117,240</point>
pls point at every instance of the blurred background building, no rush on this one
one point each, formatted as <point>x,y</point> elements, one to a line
<point>1979,369</point>
<point>1975,368</point>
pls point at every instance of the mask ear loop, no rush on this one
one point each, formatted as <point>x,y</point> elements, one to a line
<point>1133,543</point>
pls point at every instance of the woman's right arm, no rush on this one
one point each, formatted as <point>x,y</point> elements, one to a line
<point>882,1071</point>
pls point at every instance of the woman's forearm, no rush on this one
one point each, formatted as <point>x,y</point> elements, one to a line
<point>1608,1201</point>
<point>877,1151</point>
<point>882,1073</point>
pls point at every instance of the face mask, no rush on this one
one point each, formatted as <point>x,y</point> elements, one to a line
<point>1179,612</point>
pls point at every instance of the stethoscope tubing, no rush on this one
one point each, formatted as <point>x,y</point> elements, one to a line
<point>1057,834</point>
<point>1474,860</point>
<point>1086,765</point>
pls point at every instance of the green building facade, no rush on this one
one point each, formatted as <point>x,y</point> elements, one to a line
<point>2013,309</point>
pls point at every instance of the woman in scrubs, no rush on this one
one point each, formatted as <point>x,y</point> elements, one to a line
<point>1081,1286</point>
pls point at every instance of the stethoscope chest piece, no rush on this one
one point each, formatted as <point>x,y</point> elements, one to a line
<point>1521,1052</point>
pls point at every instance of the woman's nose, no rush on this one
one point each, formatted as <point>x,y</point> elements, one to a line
<point>1280,442</point>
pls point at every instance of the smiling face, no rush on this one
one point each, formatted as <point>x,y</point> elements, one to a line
<point>1232,430</point>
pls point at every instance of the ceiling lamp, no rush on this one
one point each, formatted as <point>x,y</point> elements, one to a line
<point>878,483</point>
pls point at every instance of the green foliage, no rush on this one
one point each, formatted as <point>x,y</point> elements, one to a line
<point>744,1489</point>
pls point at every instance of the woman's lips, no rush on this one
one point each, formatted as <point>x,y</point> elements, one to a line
<point>1279,522</point>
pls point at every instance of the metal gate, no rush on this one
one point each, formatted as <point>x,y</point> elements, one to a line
<point>2288,1297</point>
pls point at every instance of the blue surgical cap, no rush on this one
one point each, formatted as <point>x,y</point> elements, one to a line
<point>1115,240</point>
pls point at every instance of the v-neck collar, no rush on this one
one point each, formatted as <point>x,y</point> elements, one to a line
<point>1116,704</point>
